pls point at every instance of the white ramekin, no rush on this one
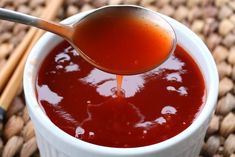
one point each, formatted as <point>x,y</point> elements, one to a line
<point>53,142</point>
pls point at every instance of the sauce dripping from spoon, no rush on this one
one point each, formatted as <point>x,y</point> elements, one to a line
<point>122,40</point>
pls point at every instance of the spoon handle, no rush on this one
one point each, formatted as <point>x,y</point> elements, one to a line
<point>14,16</point>
<point>57,28</point>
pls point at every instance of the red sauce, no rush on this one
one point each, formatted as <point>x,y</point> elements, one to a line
<point>137,44</point>
<point>155,106</point>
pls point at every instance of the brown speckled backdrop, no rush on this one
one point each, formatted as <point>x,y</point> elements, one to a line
<point>212,20</point>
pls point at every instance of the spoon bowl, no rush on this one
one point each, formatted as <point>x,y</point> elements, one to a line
<point>124,39</point>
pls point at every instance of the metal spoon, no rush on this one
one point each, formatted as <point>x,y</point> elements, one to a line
<point>68,31</point>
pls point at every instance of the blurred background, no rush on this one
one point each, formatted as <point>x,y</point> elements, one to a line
<point>212,20</point>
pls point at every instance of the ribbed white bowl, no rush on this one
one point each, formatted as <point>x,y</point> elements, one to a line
<point>53,142</point>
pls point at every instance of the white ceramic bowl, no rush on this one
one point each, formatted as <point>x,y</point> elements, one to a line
<point>53,142</point>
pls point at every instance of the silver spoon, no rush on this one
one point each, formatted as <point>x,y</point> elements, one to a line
<point>68,31</point>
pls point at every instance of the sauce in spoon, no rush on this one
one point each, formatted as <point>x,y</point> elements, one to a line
<point>119,42</point>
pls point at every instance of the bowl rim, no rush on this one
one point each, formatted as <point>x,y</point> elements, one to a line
<point>37,113</point>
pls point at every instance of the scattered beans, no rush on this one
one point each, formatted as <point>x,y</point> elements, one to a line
<point>228,125</point>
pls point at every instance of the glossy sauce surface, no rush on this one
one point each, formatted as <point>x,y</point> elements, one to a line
<point>137,44</point>
<point>155,106</point>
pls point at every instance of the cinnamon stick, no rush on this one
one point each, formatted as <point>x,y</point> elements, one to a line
<point>8,69</point>
<point>11,88</point>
